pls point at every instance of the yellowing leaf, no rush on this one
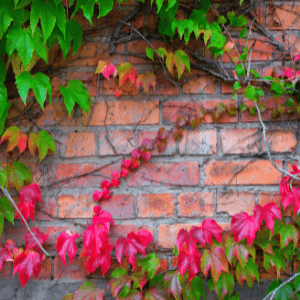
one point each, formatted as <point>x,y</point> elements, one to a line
<point>146,80</point>
<point>15,139</point>
<point>101,65</point>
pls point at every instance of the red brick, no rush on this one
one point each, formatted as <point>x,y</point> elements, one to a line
<point>122,231</point>
<point>281,141</point>
<point>287,15</point>
<point>77,206</point>
<point>138,47</point>
<point>200,85</point>
<point>198,142</point>
<point>241,172</point>
<point>227,202</point>
<point>267,197</point>
<point>78,144</point>
<point>56,114</point>
<point>235,141</point>
<point>74,271</point>
<point>6,270</point>
<point>172,110</point>
<point>267,115</point>
<point>196,205</point>
<point>292,42</point>
<point>120,206</point>
<point>166,174</point>
<point>164,87</point>
<point>45,273</point>
<point>57,172</point>
<point>226,88</point>
<point>46,210</point>
<point>110,86</point>
<point>123,142</point>
<point>151,135</point>
<point>127,112</point>
<point>155,205</point>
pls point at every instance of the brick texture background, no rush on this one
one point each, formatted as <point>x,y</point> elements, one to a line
<point>215,171</point>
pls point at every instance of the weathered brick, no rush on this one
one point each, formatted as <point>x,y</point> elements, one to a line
<point>46,210</point>
<point>78,144</point>
<point>6,270</point>
<point>164,87</point>
<point>198,142</point>
<point>241,172</point>
<point>166,174</point>
<point>138,47</point>
<point>122,231</point>
<point>127,112</point>
<point>155,205</point>
<point>235,141</point>
<point>120,206</point>
<point>45,273</point>
<point>200,85</point>
<point>281,141</point>
<point>235,202</point>
<point>123,142</point>
<point>110,86</point>
<point>151,135</point>
<point>172,110</point>
<point>267,197</point>
<point>196,205</point>
<point>74,271</point>
<point>57,173</point>
<point>76,206</point>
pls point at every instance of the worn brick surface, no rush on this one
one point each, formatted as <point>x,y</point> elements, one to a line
<point>74,271</point>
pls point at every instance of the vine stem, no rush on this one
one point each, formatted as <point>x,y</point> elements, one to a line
<point>267,148</point>
<point>273,293</point>
<point>6,193</point>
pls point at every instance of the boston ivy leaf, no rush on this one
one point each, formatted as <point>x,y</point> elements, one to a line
<point>278,87</point>
<point>225,285</point>
<point>194,289</point>
<point>248,273</point>
<point>174,282</point>
<point>139,280</point>
<point>241,21</point>
<point>105,6</point>
<point>151,264</point>
<point>240,69</point>
<point>250,92</point>
<point>149,52</point>
<point>40,84</point>
<point>88,290</point>
<point>285,292</point>
<point>119,279</point>
<point>243,32</point>
<point>20,173</point>
<point>277,260</point>
<point>6,210</point>
<point>44,142</point>
<point>6,17</point>
<point>232,18</point>
<point>15,139</point>
<point>288,232</point>
<point>236,86</point>
<point>75,91</point>
<point>146,80</point>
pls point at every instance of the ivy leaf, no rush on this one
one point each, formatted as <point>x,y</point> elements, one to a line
<point>149,52</point>
<point>146,80</point>
<point>265,241</point>
<point>32,143</point>
<point>250,92</point>
<point>6,16</point>
<point>194,289</point>
<point>139,279</point>
<point>6,211</point>
<point>180,60</point>
<point>25,43</point>
<point>87,7</point>
<point>151,263</point>
<point>278,87</point>
<point>243,226</point>
<point>173,281</point>
<point>156,289</point>
<point>20,173</point>
<point>225,285</point>
<point>241,21</point>
<point>75,91</point>
<point>232,18</point>
<point>15,139</point>
<point>125,71</point>
<point>5,254</point>
<point>248,273</point>
<point>277,260</point>
<point>119,279</point>
<point>27,263</point>
<point>287,232</point>
<point>240,69</point>
<point>236,86</point>
<point>66,243</point>
<point>162,52</point>
<point>284,293</point>
<point>40,84</point>
<point>44,142</point>
<point>243,32</point>
<point>214,259</point>
<point>88,290</point>
<point>30,242</point>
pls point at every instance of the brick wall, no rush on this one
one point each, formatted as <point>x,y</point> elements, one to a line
<point>215,171</point>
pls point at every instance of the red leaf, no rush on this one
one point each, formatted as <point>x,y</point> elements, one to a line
<point>110,69</point>
<point>66,243</point>
<point>31,193</point>
<point>177,133</point>
<point>103,217</point>
<point>136,154</point>
<point>30,241</point>
<point>134,163</point>
<point>5,255</point>
<point>162,133</point>
<point>106,194</point>
<point>105,184</point>
<point>297,57</point>
<point>181,121</point>
<point>147,144</point>
<point>118,93</point>
<point>97,195</point>
<point>130,245</point>
<point>15,139</point>
<point>27,210</point>
<point>146,155</point>
<point>124,172</point>
<point>10,244</point>
<point>268,213</point>
<point>27,263</point>
<point>244,226</point>
<point>126,163</point>
<point>188,261</point>
<point>115,175</point>
<point>161,145</point>
<point>115,183</point>
<point>102,259</point>
<point>125,72</point>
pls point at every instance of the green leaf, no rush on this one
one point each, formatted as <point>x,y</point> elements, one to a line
<point>261,107</point>
<point>286,292</point>
<point>149,52</point>
<point>225,285</point>
<point>175,251</point>
<point>248,273</point>
<point>1,223</point>
<point>240,69</point>
<point>159,4</point>
<point>250,92</point>
<point>259,91</point>
<point>243,56</point>
<point>150,264</point>
<point>267,78</point>
<point>241,21</point>
<point>194,289</point>
<point>182,58</point>
<point>162,52</point>
<point>40,84</point>
<point>44,142</point>
<point>75,91</point>
<point>254,73</point>
<point>232,18</point>
<point>236,86</point>
<point>87,7</point>
<point>243,32</point>
<point>205,5</point>
<point>277,86</point>
<point>20,173</point>
<point>252,111</point>
<point>278,260</point>
<point>119,273</point>
<point>243,107</point>
<point>6,210</point>
<point>4,106</point>
<point>289,103</point>
<point>273,285</point>
<point>297,283</point>
<point>222,20</point>
<point>6,16</point>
